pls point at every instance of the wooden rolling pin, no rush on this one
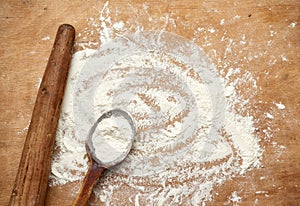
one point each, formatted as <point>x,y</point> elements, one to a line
<point>34,169</point>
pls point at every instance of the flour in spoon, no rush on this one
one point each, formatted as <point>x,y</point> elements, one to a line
<point>111,139</point>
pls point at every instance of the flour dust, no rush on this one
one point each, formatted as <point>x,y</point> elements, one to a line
<point>188,134</point>
<point>190,138</point>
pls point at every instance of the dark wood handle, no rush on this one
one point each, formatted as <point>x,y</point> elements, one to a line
<point>88,184</point>
<point>32,177</point>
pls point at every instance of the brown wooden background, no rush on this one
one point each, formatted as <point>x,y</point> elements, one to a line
<point>23,57</point>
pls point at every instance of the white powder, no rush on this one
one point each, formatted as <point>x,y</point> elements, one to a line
<point>189,138</point>
<point>105,31</point>
<point>280,106</point>
<point>45,38</point>
<point>69,163</point>
<point>270,116</point>
<point>222,22</point>
<point>235,198</point>
<point>119,25</point>
<point>111,139</point>
<point>293,24</point>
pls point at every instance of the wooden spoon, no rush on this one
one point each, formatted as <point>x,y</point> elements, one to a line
<point>96,166</point>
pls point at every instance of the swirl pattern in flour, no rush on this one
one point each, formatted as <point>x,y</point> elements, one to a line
<point>170,100</point>
<point>166,115</point>
<point>188,138</point>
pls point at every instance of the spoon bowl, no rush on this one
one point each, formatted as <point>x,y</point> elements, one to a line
<point>96,165</point>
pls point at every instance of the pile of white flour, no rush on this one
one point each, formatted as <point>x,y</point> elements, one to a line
<point>189,137</point>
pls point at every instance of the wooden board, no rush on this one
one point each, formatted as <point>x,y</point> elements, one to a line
<point>272,26</point>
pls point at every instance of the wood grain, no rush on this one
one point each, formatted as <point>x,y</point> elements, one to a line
<point>91,178</point>
<point>23,57</point>
<point>34,169</point>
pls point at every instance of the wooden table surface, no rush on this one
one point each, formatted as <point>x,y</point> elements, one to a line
<point>271,52</point>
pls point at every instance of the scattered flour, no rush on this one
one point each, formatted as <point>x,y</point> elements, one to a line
<point>270,116</point>
<point>190,138</point>
<point>45,38</point>
<point>280,106</point>
<point>25,129</point>
<point>293,24</point>
<point>222,22</point>
<point>235,198</point>
<point>119,25</point>
<point>187,131</point>
<point>37,85</point>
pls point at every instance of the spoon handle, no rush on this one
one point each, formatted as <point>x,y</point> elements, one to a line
<point>89,181</point>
